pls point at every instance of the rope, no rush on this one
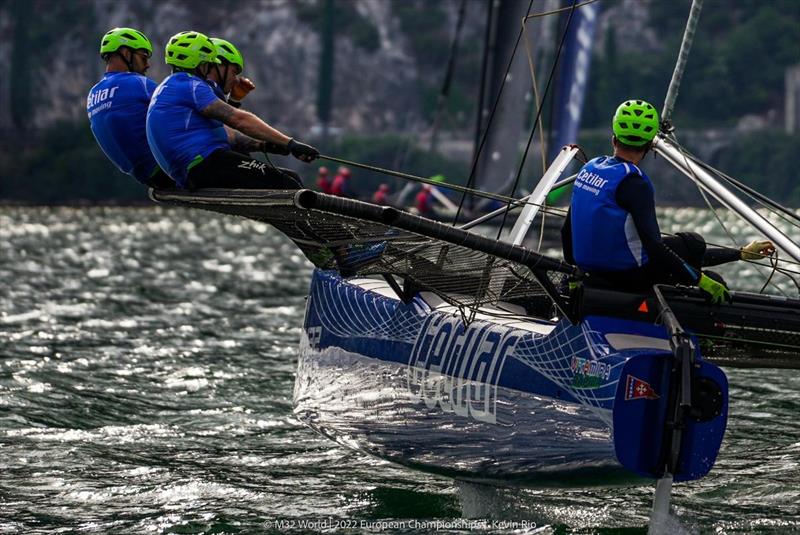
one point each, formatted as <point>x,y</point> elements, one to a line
<point>680,65</point>
<point>538,116</point>
<point>421,180</point>
<point>559,10</point>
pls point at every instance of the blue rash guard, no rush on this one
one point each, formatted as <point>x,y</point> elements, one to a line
<point>117,109</point>
<point>612,227</point>
<point>604,235</point>
<point>179,135</point>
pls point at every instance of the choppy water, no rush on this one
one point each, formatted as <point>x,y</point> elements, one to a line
<point>146,372</point>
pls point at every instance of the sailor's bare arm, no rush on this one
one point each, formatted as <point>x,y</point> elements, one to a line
<point>245,122</point>
<point>242,143</point>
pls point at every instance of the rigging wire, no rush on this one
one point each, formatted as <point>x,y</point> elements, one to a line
<point>476,159</point>
<point>559,10</point>
<point>686,156</point>
<point>422,180</point>
<point>538,115</point>
<point>772,206</point>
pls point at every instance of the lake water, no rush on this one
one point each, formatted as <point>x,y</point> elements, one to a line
<point>147,362</point>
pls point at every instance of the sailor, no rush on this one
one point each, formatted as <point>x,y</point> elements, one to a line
<point>323,180</point>
<point>341,186</point>
<point>424,201</point>
<point>229,75</point>
<point>612,232</point>
<point>200,139</point>
<point>381,194</point>
<point>117,106</point>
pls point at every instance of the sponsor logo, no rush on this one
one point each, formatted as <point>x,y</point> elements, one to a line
<point>101,95</point>
<point>254,165</point>
<point>589,373</point>
<point>458,367</point>
<point>100,100</point>
<point>635,388</point>
<point>591,182</point>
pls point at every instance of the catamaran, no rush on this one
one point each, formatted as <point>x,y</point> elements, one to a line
<point>444,350</point>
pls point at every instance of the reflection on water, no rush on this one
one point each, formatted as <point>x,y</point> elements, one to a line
<point>147,362</point>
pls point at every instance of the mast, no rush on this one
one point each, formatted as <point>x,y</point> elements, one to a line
<point>500,153</point>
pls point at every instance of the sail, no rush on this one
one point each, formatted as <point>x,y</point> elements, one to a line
<point>573,78</point>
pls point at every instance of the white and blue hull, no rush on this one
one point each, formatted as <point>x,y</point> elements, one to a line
<point>525,402</point>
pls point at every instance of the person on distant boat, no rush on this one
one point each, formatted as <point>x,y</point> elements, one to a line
<point>424,200</point>
<point>341,183</point>
<point>323,180</point>
<point>381,195</point>
<point>200,139</point>
<point>117,106</point>
<point>611,230</point>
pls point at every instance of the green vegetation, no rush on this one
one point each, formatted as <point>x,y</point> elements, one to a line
<point>765,162</point>
<point>736,66</point>
<point>347,21</point>
<point>66,166</point>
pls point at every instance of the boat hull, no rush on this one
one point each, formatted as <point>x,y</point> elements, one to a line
<point>510,400</point>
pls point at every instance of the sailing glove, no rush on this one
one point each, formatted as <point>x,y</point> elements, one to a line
<point>301,151</point>
<point>717,291</point>
<point>756,250</point>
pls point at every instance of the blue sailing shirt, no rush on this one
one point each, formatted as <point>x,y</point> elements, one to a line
<point>179,135</point>
<point>604,235</point>
<point>117,109</point>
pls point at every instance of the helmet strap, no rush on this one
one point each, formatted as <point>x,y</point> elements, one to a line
<point>128,62</point>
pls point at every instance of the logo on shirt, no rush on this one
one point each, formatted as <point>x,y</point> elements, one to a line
<point>254,165</point>
<point>101,97</point>
<point>591,182</point>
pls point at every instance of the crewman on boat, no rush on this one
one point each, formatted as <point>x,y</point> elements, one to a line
<point>229,76</point>
<point>341,183</point>
<point>117,106</point>
<point>381,195</point>
<point>612,232</point>
<point>201,140</point>
<point>323,180</point>
<point>424,200</point>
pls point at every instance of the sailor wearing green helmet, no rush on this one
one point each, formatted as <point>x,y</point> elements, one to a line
<point>612,232</point>
<point>200,139</point>
<point>229,74</point>
<point>117,105</point>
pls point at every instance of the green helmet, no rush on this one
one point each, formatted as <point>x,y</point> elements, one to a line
<point>228,52</point>
<point>635,122</point>
<point>189,49</point>
<point>124,37</point>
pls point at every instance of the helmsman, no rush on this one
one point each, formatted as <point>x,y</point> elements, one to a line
<point>117,106</point>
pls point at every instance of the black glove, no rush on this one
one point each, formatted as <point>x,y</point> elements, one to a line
<point>301,151</point>
<point>274,148</point>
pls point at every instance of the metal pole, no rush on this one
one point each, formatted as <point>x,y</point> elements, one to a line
<point>500,211</point>
<point>672,153</point>
<point>680,65</point>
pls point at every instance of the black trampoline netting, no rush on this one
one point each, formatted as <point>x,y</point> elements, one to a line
<point>465,269</point>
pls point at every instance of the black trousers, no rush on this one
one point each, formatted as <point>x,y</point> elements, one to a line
<point>690,246</point>
<point>230,169</point>
<point>161,180</point>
